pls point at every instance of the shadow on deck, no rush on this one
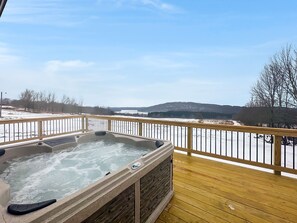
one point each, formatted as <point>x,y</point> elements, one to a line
<point>209,191</point>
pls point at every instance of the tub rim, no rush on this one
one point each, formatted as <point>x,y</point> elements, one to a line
<point>101,189</point>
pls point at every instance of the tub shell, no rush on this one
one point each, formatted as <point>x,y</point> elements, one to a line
<point>137,192</point>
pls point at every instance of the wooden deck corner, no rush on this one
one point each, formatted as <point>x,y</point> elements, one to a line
<point>210,191</point>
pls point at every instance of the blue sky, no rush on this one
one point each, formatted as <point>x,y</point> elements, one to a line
<point>142,52</point>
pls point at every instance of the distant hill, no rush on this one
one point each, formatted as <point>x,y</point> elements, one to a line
<point>185,106</point>
<point>116,109</point>
<point>193,107</point>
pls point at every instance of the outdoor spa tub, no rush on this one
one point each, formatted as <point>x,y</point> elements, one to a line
<point>93,177</point>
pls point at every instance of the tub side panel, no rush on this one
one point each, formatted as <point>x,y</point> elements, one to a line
<point>119,209</point>
<point>153,188</point>
<point>4,193</point>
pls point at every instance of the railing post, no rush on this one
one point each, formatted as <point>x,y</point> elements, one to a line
<point>83,123</point>
<point>109,125</point>
<point>40,130</point>
<point>190,140</point>
<point>277,153</point>
<point>87,124</point>
<point>140,128</point>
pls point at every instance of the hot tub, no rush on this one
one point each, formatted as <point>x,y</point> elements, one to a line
<point>135,192</point>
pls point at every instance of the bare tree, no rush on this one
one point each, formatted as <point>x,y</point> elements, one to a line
<point>26,99</point>
<point>42,101</point>
<point>266,91</point>
<point>288,62</point>
<point>276,88</point>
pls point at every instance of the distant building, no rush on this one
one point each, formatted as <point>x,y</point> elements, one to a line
<point>132,112</point>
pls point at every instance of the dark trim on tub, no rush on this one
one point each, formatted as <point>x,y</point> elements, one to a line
<point>21,209</point>
<point>159,143</point>
<point>100,133</point>
<point>2,152</point>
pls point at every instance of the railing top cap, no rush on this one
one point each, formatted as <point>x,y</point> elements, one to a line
<point>247,129</point>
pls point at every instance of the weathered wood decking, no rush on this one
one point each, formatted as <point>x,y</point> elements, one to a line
<point>209,191</point>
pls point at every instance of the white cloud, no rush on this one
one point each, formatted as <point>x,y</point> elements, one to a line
<point>58,65</point>
<point>47,12</point>
<point>162,62</point>
<point>159,5</point>
<point>180,89</point>
<point>58,13</point>
<point>148,62</point>
<point>153,4</point>
<point>6,55</point>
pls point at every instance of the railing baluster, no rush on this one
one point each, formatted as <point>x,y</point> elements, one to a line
<point>205,140</point>
<point>285,153</point>
<point>4,136</point>
<point>271,148</point>
<point>140,128</point>
<point>257,146</point>
<point>109,125</point>
<point>232,143</point>
<point>237,145</point>
<point>220,142</point>
<point>200,149</point>
<point>226,140</point>
<point>294,153</point>
<point>248,150</point>
<point>9,132</point>
<point>210,145</point>
<point>40,130</point>
<point>18,131</point>
<point>13,132</point>
<point>277,153</point>
<point>243,146</point>
<point>215,141</point>
<point>264,147</point>
<point>177,135</point>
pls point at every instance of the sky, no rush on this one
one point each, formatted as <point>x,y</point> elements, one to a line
<point>142,52</point>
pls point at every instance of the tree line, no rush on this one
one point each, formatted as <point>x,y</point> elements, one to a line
<point>190,114</point>
<point>274,96</point>
<point>39,101</point>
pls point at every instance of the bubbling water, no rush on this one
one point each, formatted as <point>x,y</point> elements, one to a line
<point>55,175</point>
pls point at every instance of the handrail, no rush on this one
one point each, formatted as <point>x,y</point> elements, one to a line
<point>241,144</point>
<point>20,130</point>
<point>260,130</point>
<point>39,119</point>
<point>257,146</point>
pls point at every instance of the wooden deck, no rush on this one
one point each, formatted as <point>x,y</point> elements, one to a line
<point>209,191</point>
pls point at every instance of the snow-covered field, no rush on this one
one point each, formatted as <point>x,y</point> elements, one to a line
<point>247,146</point>
<point>8,114</point>
<point>29,129</point>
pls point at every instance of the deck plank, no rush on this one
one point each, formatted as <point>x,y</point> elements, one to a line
<point>233,191</point>
<point>168,217</point>
<point>210,191</point>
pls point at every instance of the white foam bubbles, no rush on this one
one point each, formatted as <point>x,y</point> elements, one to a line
<point>56,175</point>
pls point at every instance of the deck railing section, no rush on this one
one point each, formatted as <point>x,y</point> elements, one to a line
<point>270,148</point>
<point>19,130</point>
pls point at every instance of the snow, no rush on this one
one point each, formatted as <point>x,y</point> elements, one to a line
<point>29,130</point>
<point>8,114</point>
<point>247,146</point>
<point>131,112</point>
